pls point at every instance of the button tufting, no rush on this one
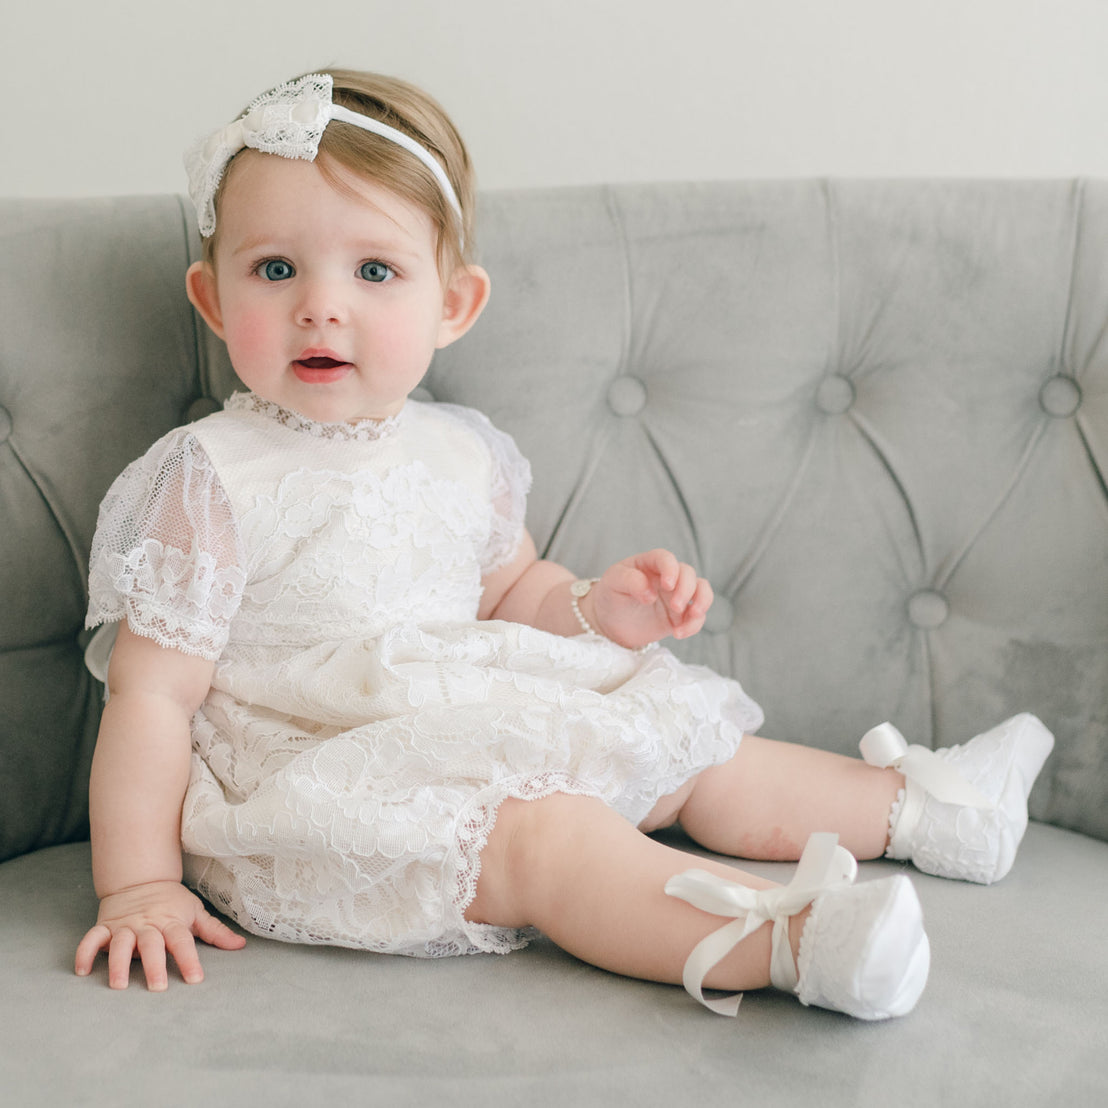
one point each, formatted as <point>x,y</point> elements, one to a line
<point>928,609</point>
<point>202,406</point>
<point>627,395</point>
<point>5,425</point>
<point>835,394</point>
<point>1060,396</point>
<point>721,616</point>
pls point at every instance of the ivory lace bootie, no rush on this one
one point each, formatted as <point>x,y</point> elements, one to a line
<point>863,950</point>
<point>963,809</point>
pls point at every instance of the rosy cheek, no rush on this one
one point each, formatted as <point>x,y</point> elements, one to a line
<point>250,334</point>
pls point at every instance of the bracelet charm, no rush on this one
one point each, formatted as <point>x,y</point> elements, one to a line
<point>577,592</point>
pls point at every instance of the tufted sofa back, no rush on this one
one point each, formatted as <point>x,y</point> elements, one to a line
<point>874,414</point>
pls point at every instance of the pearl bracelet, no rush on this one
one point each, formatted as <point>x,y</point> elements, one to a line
<point>577,592</point>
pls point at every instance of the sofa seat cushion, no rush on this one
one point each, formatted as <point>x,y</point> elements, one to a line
<point>1014,1013</point>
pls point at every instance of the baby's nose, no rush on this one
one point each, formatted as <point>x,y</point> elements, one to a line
<point>320,304</point>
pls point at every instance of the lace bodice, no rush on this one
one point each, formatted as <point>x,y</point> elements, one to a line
<point>294,532</point>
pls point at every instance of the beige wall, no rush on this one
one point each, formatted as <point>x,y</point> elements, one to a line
<point>100,96</point>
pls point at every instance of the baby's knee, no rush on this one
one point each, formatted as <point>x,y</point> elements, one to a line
<point>527,835</point>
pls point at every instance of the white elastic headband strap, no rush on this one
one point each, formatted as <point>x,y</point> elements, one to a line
<point>289,121</point>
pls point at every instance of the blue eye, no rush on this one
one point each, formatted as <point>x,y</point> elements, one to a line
<point>276,270</point>
<point>375,271</point>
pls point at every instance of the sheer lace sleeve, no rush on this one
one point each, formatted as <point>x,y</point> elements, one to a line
<point>510,484</point>
<point>167,556</point>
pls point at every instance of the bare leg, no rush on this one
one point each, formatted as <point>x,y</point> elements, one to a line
<point>767,800</point>
<point>594,884</point>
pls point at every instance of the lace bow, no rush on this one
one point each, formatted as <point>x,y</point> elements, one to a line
<point>823,865</point>
<point>289,121</point>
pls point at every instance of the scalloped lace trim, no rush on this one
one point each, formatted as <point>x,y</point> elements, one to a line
<point>362,430</point>
<point>894,817</point>
<point>473,834</point>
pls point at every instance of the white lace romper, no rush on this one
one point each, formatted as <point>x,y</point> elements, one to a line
<point>363,726</point>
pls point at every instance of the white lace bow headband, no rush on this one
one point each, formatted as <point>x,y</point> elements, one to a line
<point>288,120</point>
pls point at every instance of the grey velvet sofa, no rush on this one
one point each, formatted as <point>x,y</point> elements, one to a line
<point>874,414</point>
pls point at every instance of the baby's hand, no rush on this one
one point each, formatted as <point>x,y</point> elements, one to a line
<point>649,596</point>
<point>148,920</point>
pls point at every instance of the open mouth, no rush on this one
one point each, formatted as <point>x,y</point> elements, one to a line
<point>320,369</point>
<point>320,363</point>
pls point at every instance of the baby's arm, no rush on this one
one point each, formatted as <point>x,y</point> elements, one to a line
<point>636,602</point>
<point>140,771</point>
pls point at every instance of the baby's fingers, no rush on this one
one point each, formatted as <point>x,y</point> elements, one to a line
<point>702,598</point>
<point>120,952</point>
<point>180,943</point>
<point>692,618</point>
<point>96,939</point>
<point>660,567</point>
<point>681,591</point>
<point>151,945</point>
<point>216,933</point>
<point>119,944</point>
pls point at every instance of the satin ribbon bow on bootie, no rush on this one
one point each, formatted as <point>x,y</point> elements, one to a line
<point>885,747</point>
<point>823,865</point>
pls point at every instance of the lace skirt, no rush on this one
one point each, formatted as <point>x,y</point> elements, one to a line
<point>343,794</point>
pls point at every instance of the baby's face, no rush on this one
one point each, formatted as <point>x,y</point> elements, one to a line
<point>330,301</point>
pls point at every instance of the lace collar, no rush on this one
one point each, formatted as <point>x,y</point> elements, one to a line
<point>364,430</point>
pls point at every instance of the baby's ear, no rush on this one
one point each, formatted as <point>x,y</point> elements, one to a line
<point>466,294</point>
<point>203,295</point>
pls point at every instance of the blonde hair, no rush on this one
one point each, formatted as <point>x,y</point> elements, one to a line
<point>378,160</point>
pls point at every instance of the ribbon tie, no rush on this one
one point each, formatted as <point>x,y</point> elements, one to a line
<point>823,865</point>
<point>885,747</point>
